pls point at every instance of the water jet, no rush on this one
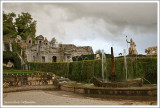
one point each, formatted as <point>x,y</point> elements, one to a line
<point>138,82</point>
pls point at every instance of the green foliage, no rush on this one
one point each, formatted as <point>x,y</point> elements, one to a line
<point>119,69</point>
<point>83,71</point>
<point>7,55</point>
<point>9,29</point>
<point>151,70</point>
<point>99,51</point>
<point>53,41</point>
<point>13,71</point>
<point>6,45</point>
<point>76,71</point>
<point>60,69</point>
<point>87,70</point>
<point>16,47</point>
<point>25,25</point>
<point>84,57</point>
<point>97,69</point>
<point>88,57</point>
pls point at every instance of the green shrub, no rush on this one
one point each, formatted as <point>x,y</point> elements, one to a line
<point>76,71</point>
<point>88,57</point>
<point>16,48</point>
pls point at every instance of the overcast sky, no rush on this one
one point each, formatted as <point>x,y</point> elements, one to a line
<point>100,25</point>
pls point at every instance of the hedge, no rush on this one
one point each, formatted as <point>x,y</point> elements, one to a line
<point>83,71</point>
<point>88,57</point>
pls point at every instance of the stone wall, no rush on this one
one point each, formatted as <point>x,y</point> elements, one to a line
<point>18,80</point>
<point>45,52</point>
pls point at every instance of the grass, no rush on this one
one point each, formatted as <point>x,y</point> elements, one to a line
<point>12,71</point>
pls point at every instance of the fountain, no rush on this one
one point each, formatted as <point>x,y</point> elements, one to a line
<point>10,47</point>
<point>102,65</point>
<point>125,62</point>
<point>4,48</point>
<point>114,83</point>
<point>24,66</point>
<point>105,74</point>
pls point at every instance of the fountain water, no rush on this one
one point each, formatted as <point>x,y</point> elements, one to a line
<point>4,48</point>
<point>138,82</point>
<point>10,47</point>
<point>102,66</point>
<point>24,66</point>
<point>105,74</point>
<point>125,61</point>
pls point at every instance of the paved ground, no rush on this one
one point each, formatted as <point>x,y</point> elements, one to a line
<point>41,97</point>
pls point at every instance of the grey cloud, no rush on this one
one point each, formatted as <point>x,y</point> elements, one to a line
<point>109,21</point>
<point>118,14</point>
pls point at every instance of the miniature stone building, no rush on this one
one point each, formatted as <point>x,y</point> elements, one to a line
<point>151,50</point>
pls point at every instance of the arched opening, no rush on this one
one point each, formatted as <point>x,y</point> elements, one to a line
<point>43,59</point>
<point>40,42</point>
<point>34,58</point>
<point>29,41</point>
<point>54,59</point>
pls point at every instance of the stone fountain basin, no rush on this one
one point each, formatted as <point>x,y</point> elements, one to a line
<point>138,82</point>
<point>150,90</point>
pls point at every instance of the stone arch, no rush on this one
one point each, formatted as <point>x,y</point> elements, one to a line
<point>54,59</point>
<point>43,59</point>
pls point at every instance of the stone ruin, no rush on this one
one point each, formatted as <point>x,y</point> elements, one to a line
<point>44,51</point>
<point>151,51</point>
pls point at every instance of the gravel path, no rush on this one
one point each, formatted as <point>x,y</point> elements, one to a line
<point>41,97</point>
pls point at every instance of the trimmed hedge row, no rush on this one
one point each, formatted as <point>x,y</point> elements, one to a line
<point>83,71</point>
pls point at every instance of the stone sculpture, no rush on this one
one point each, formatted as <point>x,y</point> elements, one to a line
<point>132,48</point>
<point>151,50</point>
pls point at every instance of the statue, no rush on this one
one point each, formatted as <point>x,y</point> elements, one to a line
<point>132,49</point>
<point>151,51</point>
<point>97,56</point>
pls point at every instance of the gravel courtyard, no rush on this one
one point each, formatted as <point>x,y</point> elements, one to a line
<point>42,97</point>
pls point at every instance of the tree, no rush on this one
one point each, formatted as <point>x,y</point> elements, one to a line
<point>98,51</point>
<point>53,41</point>
<point>26,26</point>
<point>120,54</point>
<point>9,28</point>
